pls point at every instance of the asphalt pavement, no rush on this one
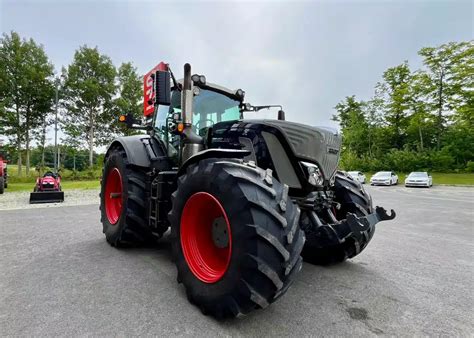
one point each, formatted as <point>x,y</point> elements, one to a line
<point>58,276</point>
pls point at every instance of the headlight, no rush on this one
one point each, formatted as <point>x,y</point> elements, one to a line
<point>313,173</point>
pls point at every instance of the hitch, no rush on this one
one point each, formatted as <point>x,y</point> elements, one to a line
<point>359,229</point>
<point>359,226</point>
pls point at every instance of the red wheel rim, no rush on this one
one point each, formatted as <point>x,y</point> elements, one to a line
<point>113,196</point>
<point>205,258</point>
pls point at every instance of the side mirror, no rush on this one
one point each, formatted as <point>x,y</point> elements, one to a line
<point>281,115</point>
<point>162,88</point>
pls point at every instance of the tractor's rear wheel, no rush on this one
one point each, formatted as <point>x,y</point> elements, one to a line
<point>235,237</point>
<point>2,184</point>
<point>354,199</point>
<point>123,202</point>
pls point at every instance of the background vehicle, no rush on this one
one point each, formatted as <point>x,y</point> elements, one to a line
<point>357,175</point>
<point>419,179</point>
<point>384,178</point>
<point>240,196</point>
<point>47,189</point>
<point>3,175</point>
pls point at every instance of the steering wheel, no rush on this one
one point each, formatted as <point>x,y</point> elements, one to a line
<point>49,173</point>
<point>205,120</point>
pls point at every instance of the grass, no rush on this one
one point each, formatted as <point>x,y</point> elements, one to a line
<point>453,179</point>
<point>66,185</point>
<point>27,183</point>
<point>440,178</point>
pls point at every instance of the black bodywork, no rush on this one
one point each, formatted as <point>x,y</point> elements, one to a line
<point>276,145</point>
<point>281,146</point>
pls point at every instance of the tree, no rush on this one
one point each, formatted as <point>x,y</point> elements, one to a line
<point>395,91</point>
<point>449,68</point>
<point>130,96</point>
<point>462,81</point>
<point>89,90</point>
<point>26,89</point>
<point>354,126</point>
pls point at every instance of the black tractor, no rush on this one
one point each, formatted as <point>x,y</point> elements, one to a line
<point>246,200</point>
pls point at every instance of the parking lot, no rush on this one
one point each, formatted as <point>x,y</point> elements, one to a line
<point>60,277</point>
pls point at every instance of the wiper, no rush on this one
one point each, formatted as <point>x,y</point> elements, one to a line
<point>249,107</point>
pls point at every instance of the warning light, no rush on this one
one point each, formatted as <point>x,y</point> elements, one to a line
<point>180,127</point>
<point>122,118</point>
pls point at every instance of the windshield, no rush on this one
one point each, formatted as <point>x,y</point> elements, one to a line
<point>353,173</point>
<point>383,174</point>
<point>418,174</point>
<point>209,107</point>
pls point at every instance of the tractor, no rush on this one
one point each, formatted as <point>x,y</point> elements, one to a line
<point>246,201</point>
<point>3,175</point>
<point>47,188</point>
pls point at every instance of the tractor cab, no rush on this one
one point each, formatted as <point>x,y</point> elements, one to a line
<point>211,104</point>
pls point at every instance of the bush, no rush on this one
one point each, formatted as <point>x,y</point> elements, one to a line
<point>441,161</point>
<point>405,161</point>
<point>470,167</point>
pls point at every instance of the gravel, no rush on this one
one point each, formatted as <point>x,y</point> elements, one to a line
<point>20,199</point>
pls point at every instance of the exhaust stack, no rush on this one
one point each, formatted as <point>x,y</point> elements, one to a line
<point>192,143</point>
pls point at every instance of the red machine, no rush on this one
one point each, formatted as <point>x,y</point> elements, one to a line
<point>47,189</point>
<point>3,175</point>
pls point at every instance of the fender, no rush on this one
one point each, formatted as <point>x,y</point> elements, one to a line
<point>212,153</point>
<point>141,150</point>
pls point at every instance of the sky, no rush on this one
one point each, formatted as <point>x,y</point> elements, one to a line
<point>306,56</point>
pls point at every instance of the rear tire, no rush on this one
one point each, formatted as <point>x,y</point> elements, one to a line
<point>2,184</point>
<point>129,225</point>
<point>354,199</point>
<point>265,239</point>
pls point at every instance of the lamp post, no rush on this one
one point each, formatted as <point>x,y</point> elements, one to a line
<point>56,149</point>
<point>56,131</point>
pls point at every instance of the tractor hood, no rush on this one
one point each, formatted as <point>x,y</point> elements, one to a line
<point>282,146</point>
<point>314,144</point>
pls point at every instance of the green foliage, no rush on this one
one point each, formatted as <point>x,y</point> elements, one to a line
<point>26,90</point>
<point>88,94</point>
<point>130,96</point>
<point>421,120</point>
<point>470,167</point>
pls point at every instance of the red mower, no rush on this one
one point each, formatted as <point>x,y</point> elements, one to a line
<point>47,189</point>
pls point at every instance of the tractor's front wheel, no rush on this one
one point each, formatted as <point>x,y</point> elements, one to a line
<point>2,184</point>
<point>123,202</point>
<point>235,237</point>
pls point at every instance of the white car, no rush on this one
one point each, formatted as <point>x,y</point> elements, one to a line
<point>384,178</point>
<point>419,179</point>
<point>357,175</point>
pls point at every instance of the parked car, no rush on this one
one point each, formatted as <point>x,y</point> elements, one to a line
<point>384,178</point>
<point>419,179</point>
<point>357,175</point>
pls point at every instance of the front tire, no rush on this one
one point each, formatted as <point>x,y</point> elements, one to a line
<point>123,202</point>
<point>2,185</point>
<point>252,260</point>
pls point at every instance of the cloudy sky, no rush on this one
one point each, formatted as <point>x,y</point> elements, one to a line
<point>306,56</point>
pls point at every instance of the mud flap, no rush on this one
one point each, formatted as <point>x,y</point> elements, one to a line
<point>353,227</point>
<point>46,197</point>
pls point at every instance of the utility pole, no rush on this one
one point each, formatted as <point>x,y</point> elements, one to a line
<point>56,132</point>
